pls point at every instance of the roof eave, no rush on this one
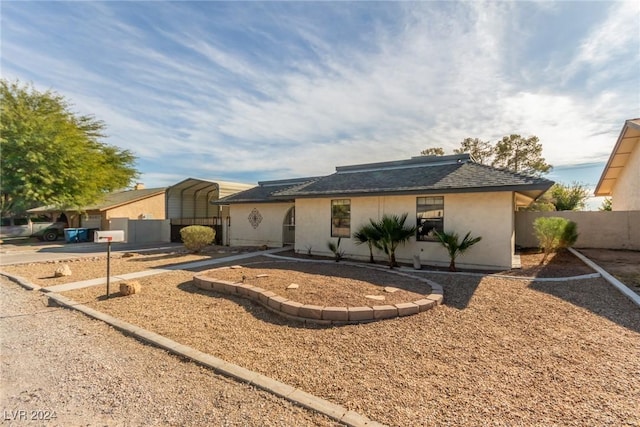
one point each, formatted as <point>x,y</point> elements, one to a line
<point>631,123</point>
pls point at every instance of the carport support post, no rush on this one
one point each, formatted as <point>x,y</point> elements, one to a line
<point>108,263</point>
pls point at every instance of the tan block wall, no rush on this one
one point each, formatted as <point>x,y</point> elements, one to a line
<point>606,230</point>
<point>626,192</point>
<point>268,232</point>
<point>489,215</point>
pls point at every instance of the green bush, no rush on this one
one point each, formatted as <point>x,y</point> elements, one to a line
<point>554,233</point>
<point>196,237</point>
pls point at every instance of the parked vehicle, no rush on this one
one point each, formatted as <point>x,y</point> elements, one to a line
<point>41,227</point>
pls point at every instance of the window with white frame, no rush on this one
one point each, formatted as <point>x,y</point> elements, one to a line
<point>341,218</point>
<point>429,217</point>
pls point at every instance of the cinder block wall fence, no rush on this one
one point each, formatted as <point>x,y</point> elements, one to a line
<point>605,230</point>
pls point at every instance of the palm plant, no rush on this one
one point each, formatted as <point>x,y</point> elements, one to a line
<point>392,232</point>
<point>454,247</point>
<point>335,248</point>
<point>368,234</point>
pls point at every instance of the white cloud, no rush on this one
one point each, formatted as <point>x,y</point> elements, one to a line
<point>433,74</point>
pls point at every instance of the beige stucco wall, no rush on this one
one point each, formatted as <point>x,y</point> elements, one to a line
<point>153,206</point>
<point>606,230</point>
<point>268,232</point>
<point>489,215</point>
<point>626,192</point>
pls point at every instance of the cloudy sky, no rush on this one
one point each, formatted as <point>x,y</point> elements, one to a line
<point>256,91</point>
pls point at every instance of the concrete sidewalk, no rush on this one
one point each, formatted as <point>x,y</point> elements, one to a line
<point>138,274</point>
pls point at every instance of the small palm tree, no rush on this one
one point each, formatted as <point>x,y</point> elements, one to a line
<point>455,248</point>
<point>392,232</point>
<point>368,234</point>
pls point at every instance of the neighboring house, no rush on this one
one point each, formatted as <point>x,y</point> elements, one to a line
<point>620,179</point>
<point>139,203</point>
<point>445,193</point>
<point>189,202</point>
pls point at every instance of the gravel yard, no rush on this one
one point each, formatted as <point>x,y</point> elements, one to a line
<point>500,350</point>
<point>85,373</point>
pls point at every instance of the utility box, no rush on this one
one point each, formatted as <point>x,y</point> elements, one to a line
<point>111,236</point>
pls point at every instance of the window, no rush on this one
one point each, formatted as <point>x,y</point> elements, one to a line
<point>20,221</point>
<point>430,217</point>
<point>341,218</point>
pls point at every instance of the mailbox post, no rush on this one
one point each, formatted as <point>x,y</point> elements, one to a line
<point>108,237</point>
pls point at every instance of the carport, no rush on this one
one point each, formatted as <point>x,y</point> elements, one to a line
<point>188,203</point>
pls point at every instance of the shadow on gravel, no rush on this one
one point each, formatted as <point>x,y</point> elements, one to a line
<point>595,295</point>
<point>253,308</point>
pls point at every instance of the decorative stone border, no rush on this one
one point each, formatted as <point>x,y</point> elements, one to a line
<point>323,315</point>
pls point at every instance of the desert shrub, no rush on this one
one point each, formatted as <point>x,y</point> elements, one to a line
<point>554,233</point>
<point>196,237</point>
<point>335,248</point>
<point>455,247</point>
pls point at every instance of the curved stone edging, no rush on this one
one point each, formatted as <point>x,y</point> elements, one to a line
<point>324,315</point>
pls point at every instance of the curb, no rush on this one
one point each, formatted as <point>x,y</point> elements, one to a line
<point>322,315</point>
<point>294,395</point>
<point>635,298</point>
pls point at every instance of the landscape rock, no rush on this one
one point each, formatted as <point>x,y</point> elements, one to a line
<point>63,270</point>
<point>390,289</point>
<point>293,286</point>
<point>375,297</point>
<point>130,288</point>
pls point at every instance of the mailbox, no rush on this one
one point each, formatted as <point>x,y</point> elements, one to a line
<point>110,236</point>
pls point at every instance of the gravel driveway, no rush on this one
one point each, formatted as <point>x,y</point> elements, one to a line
<point>56,362</point>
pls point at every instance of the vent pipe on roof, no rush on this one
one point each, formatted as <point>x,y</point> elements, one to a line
<point>139,186</point>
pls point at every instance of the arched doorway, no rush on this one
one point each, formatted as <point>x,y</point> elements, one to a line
<point>289,228</point>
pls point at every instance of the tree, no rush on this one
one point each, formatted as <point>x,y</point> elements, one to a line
<point>392,232</point>
<point>455,247</point>
<point>569,198</point>
<point>368,234</point>
<point>606,205</point>
<point>52,156</point>
<point>435,151</point>
<point>481,151</point>
<point>518,154</point>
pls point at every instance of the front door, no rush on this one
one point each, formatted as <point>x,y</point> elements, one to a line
<point>289,228</point>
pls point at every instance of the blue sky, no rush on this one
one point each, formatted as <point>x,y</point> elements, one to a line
<point>249,91</point>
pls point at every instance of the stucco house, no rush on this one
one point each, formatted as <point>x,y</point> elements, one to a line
<point>138,203</point>
<point>620,179</point>
<point>450,193</point>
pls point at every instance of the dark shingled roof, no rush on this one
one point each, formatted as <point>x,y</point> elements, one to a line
<point>418,175</point>
<point>440,174</point>
<point>265,192</point>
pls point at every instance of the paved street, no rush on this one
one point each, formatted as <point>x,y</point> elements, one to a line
<point>27,252</point>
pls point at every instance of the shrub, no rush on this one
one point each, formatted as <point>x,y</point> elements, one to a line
<point>455,247</point>
<point>335,248</point>
<point>391,231</point>
<point>196,237</point>
<point>554,233</point>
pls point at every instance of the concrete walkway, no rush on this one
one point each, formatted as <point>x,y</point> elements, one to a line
<point>152,272</point>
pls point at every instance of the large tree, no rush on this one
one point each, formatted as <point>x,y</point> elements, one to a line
<point>481,151</point>
<point>432,151</point>
<point>520,154</point>
<point>569,197</point>
<point>53,156</point>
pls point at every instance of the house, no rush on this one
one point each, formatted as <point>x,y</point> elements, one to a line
<point>445,193</point>
<point>138,203</point>
<point>620,179</point>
